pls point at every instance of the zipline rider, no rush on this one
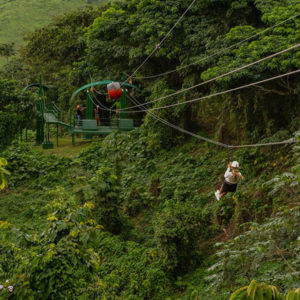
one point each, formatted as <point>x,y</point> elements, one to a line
<point>231,180</point>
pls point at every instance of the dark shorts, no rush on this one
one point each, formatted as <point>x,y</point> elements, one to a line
<point>227,187</point>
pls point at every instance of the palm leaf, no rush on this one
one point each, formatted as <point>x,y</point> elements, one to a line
<point>252,286</point>
<point>238,293</point>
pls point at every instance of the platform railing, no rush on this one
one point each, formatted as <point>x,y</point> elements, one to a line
<point>56,111</point>
<point>113,123</point>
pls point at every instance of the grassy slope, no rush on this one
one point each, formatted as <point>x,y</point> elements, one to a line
<point>18,17</point>
<point>192,171</point>
<point>65,147</point>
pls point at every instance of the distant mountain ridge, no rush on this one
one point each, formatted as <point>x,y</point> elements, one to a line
<point>18,17</point>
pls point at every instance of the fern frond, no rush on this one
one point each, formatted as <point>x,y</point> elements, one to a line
<point>269,294</point>
<point>274,291</point>
<point>3,162</point>
<point>3,181</point>
<point>238,293</point>
<point>251,286</point>
<point>294,294</point>
<point>260,294</point>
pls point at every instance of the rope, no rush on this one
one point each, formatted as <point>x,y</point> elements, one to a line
<point>104,107</point>
<point>220,76</point>
<point>292,140</point>
<point>217,52</point>
<point>99,93</point>
<point>225,92</point>
<point>289,141</point>
<point>165,37</point>
<point>94,89</point>
<point>99,103</point>
<point>212,95</point>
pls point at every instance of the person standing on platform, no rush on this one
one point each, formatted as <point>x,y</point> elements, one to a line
<point>79,111</point>
<point>97,115</point>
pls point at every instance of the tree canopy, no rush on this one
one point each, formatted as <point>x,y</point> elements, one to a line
<point>115,38</point>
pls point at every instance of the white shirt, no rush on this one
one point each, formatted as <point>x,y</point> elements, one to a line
<point>229,177</point>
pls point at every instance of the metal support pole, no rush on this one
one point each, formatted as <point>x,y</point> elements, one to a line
<point>57,135</point>
<point>48,133</point>
<point>89,111</point>
<point>40,117</point>
<point>89,106</point>
<point>123,100</point>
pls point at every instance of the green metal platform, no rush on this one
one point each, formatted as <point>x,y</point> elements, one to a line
<point>87,127</point>
<point>100,130</point>
<point>49,114</point>
<point>90,127</point>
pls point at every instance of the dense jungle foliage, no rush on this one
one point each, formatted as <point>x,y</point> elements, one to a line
<point>126,224</point>
<point>134,215</point>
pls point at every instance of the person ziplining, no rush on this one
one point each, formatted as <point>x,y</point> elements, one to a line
<point>231,180</point>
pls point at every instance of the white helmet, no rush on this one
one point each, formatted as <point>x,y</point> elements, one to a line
<point>235,164</point>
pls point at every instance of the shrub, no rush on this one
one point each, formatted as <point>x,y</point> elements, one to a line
<point>63,262</point>
<point>107,199</point>
<point>267,252</point>
<point>177,230</point>
<point>3,172</point>
<point>256,291</point>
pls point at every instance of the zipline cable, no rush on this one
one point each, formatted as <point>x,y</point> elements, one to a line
<point>205,97</point>
<point>219,93</point>
<point>105,108</point>
<point>94,89</point>
<point>218,77</point>
<point>209,96</point>
<point>165,37</point>
<point>100,104</point>
<point>99,93</point>
<point>289,141</point>
<point>215,53</point>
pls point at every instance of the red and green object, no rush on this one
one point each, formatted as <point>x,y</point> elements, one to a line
<point>114,90</point>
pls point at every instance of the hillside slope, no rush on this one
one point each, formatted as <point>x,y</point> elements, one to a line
<point>153,223</point>
<point>19,16</point>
